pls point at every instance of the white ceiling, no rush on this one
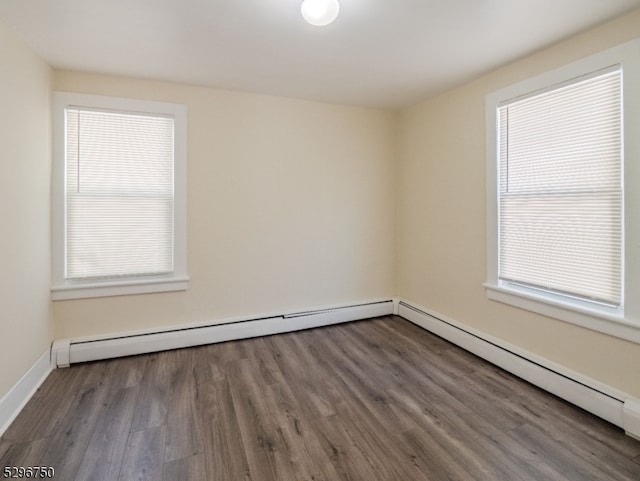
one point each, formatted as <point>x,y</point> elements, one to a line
<point>381,53</point>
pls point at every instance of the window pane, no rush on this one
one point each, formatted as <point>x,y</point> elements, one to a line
<point>561,190</point>
<point>119,194</point>
<point>566,243</point>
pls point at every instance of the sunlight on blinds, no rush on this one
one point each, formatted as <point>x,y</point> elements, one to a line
<point>119,194</point>
<point>560,197</point>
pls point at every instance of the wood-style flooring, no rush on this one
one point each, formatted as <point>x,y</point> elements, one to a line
<point>365,401</point>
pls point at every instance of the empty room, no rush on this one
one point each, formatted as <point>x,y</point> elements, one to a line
<point>339,240</point>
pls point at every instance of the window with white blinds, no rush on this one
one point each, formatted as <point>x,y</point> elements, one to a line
<point>119,196</point>
<point>560,189</point>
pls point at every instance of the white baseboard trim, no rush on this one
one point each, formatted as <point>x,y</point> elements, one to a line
<point>12,403</point>
<point>611,404</point>
<point>70,351</point>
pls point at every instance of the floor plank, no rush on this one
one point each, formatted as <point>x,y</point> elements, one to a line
<point>104,455</point>
<point>224,452</point>
<point>183,431</point>
<point>187,469</point>
<point>375,400</point>
<point>144,456</point>
<point>151,410</point>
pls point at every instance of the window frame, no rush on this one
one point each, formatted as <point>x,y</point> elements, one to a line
<point>621,322</point>
<point>177,280</point>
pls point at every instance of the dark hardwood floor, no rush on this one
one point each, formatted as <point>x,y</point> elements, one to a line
<point>364,401</point>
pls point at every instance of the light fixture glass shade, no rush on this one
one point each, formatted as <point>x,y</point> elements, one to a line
<point>320,12</point>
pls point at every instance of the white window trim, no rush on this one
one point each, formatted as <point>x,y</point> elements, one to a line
<point>77,289</point>
<point>622,323</point>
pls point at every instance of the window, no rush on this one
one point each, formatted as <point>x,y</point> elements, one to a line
<point>559,191</point>
<point>119,197</point>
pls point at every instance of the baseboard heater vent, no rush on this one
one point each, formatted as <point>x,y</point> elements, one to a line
<point>70,351</point>
<point>617,407</point>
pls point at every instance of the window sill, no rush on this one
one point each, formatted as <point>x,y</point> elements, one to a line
<point>612,323</point>
<point>118,288</point>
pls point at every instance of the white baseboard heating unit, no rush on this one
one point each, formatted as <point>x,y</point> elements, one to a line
<point>70,351</point>
<point>611,404</point>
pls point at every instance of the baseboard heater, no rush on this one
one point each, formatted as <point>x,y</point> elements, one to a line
<point>70,351</point>
<point>606,402</point>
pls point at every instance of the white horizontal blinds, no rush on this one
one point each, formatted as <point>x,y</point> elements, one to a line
<point>560,156</point>
<point>119,194</point>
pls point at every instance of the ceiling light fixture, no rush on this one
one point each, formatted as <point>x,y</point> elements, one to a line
<point>320,12</point>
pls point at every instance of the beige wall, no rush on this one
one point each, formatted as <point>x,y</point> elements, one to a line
<point>442,218</point>
<point>291,205</point>
<point>25,163</point>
